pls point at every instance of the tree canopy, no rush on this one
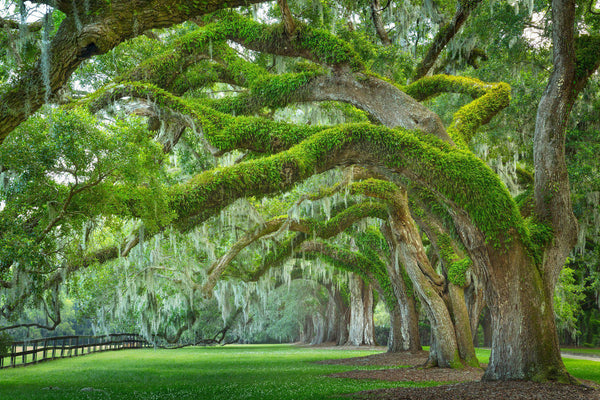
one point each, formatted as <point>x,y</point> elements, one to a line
<point>164,150</point>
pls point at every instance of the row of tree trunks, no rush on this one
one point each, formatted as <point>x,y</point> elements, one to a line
<point>345,325</point>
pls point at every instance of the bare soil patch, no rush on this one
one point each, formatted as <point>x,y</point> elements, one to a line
<point>470,387</point>
<point>511,390</point>
<point>383,359</point>
<point>416,374</point>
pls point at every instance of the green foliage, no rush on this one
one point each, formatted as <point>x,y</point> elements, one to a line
<point>5,343</point>
<point>457,267</point>
<point>568,296</point>
<point>61,171</point>
<point>586,54</point>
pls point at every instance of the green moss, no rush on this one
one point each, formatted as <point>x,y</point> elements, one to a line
<point>456,267</point>
<point>456,362</point>
<point>490,98</point>
<point>318,44</point>
<point>541,234</point>
<point>455,174</point>
<point>383,190</point>
<point>222,131</point>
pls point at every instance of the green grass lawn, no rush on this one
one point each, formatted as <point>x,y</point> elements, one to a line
<point>231,372</point>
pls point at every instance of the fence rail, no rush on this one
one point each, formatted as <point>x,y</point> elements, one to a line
<point>38,350</point>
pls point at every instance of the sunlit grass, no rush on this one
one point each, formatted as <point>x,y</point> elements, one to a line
<point>232,372</point>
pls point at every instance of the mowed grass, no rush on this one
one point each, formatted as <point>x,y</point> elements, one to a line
<point>231,372</point>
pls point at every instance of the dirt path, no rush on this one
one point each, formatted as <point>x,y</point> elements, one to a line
<point>577,356</point>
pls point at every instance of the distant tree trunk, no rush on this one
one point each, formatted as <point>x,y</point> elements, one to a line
<point>361,330</point>
<point>332,316</point>
<point>343,319</point>
<point>307,331</point>
<point>486,325</point>
<point>319,329</point>
<point>474,297</point>
<point>368,307</point>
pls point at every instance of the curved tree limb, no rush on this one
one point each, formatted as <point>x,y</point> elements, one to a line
<point>85,33</point>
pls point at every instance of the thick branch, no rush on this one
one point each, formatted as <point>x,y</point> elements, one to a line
<point>309,227</point>
<point>378,22</point>
<point>89,34</point>
<point>490,99</point>
<point>444,35</point>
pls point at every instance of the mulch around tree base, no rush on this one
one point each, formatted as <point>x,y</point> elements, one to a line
<point>470,388</point>
<point>511,390</point>
<point>384,359</point>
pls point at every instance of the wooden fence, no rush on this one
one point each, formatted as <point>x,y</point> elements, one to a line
<point>38,350</point>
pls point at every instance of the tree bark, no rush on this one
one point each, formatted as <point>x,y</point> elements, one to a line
<point>524,342</point>
<point>378,23</point>
<point>462,325</point>
<point>486,325</point>
<point>444,351</point>
<point>404,318</point>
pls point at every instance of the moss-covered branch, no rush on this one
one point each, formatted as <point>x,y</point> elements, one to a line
<point>310,228</point>
<point>222,132</point>
<point>85,33</point>
<point>490,99</point>
<point>370,269</point>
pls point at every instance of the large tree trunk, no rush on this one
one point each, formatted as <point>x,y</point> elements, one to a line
<point>524,342</point>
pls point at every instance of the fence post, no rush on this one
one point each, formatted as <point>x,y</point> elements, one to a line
<point>53,348</point>
<point>34,358</point>
<point>13,357</point>
<point>23,355</point>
